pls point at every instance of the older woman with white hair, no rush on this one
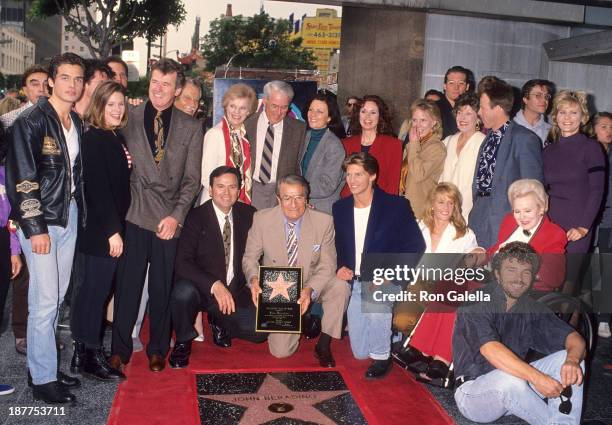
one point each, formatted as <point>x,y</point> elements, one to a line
<point>226,142</point>
<point>528,222</point>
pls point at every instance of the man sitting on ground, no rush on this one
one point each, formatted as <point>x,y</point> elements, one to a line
<point>490,343</point>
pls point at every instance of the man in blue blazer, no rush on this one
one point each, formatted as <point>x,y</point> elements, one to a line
<point>370,221</point>
<point>510,152</point>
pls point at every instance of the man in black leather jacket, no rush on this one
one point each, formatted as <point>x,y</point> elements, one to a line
<point>44,185</point>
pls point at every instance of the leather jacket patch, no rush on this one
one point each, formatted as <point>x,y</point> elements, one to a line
<point>50,146</point>
<point>30,208</point>
<point>26,186</point>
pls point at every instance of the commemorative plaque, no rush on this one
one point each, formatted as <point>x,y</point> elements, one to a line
<point>277,307</point>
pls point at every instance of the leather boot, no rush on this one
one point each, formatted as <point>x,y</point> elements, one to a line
<point>78,357</point>
<point>63,380</point>
<point>96,366</point>
<point>52,392</point>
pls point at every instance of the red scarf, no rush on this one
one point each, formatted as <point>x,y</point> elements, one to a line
<point>245,168</point>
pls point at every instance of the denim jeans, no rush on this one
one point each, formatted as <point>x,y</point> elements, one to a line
<point>49,279</point>
<point>498,393</point>
<point>369,326</point>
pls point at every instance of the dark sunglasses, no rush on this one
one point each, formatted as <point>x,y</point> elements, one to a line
<point>351,103</point>
<point>566,405</point>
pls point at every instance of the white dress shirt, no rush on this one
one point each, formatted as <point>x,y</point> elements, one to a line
<point>221,219</point>
<point>262,129</point>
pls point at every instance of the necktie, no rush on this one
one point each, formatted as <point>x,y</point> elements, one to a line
<point>236,148</point>
<point>292,245</point>
<point>265,171</point>
<point>227,241</point>
<point>158,130</point>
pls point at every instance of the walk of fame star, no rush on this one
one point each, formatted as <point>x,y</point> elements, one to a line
<point>279,287</point>
<point>274,400</point>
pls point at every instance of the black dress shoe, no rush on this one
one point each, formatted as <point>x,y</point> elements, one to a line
<point>67,381</point>
<point>78,357</point>
<point>311,328</point>
<point>63,380</point>
<point>325,357</point>
<point>221,336</point>
<point>52,392</point>
<point>179,358</point>
<point>437,369</point>
<point>378,369</point>
<point>96,366</point>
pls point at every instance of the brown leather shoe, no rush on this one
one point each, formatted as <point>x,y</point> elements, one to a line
<point>156,363</point>
<point>115,362</point>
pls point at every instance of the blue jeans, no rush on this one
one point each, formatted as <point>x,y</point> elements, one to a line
<point>497,394</point>
<point>369,326</point>
<point>49,278</point>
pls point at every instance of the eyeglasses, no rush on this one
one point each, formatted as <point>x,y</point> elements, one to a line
<point>541,96</point>
<point>351,103</point>
<point>566,405</point>
<point>297,199</point>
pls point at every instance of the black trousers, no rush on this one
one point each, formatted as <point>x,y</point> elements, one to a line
<point>89,299</point>
<point>5,268</point>
<point>142,248</point>
<point>188,299</point>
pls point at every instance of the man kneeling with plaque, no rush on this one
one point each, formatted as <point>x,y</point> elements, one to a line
<point>208,269</point>
<point>292,236</point>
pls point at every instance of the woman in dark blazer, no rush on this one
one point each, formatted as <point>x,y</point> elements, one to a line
<point>106,173</point>
<point>322,154</point>
<point>370,221</point>
<point>371,132</point>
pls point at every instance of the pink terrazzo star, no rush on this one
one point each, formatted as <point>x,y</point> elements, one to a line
<point>274,391</point>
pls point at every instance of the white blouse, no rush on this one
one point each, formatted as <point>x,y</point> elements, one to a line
<point>448,243</point>
<point>459,169</point>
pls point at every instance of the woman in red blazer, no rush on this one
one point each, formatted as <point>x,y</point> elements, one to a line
<point>529,223</point>
<point>372,133</point>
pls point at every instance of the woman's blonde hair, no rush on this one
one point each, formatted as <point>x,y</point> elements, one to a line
<point>568,97</point>
<point>240,91</point>
<point>524,187</point>
<point>434,112</point>
<point>95,112</point>
<point>457,220</point>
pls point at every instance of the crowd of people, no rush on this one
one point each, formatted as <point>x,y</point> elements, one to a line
<point>135,194</point>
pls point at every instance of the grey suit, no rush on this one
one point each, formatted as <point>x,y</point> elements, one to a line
<point>519,156</point>
<point>167,190</point>
<point>291,143</point>
<point>158,191</point>
<point>324,173</point>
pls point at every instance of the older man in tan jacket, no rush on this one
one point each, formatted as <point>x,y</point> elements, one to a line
<point>316,253</point>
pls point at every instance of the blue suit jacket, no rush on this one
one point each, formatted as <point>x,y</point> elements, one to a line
<point>519,157</point>
<point>391,228</point>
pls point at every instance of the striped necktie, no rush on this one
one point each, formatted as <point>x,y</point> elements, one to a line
<point>265,171</point>
<point>292,245</point>
<point>227,241</point>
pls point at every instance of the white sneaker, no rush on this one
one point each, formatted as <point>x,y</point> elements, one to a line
<point>604,330</point>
